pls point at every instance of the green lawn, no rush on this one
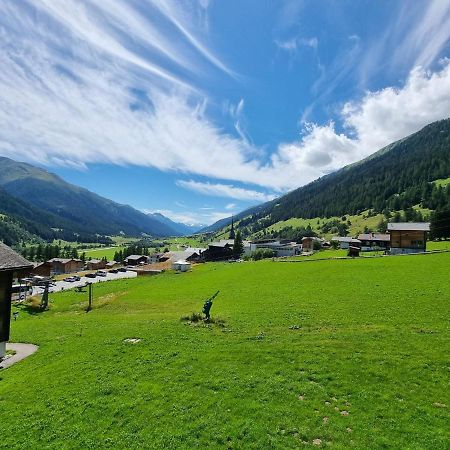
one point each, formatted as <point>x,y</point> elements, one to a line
<point>351,352</point>
<point>99,253</point>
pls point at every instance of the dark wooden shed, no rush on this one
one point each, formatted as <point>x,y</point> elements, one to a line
<point>11,265</point>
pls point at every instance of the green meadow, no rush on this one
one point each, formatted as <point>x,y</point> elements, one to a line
<point>336,353</point>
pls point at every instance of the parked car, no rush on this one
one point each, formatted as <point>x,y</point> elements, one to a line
<point>76,278</point>
<point>114,271</point>
<point>101,273</point>
<point>122,269</point>
<point>69,279</point>
<point>43,283</point>
<point>90,275</point>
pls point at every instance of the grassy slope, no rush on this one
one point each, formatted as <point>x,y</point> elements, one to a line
<point>442,182</point>
<point>357,227</point>
<point>373,341</point>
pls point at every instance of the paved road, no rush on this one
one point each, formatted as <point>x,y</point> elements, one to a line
<point>63,285</point>
<point>22,351</point>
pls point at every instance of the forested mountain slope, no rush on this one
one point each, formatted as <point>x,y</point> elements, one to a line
<point>78,209</point>
<point>394,178</point>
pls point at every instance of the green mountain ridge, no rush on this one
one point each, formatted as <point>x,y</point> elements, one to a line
<point>54,203</point>
<point>396,177</point>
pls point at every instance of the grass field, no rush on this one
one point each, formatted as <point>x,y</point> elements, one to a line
<point>99,253</point>
<point>341,353</point>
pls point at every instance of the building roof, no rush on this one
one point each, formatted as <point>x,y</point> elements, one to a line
<point>111,263</point>
<point>181,256</point>
<point>342,238</point>
<point>197,250</point>
<point>10,260</point>
<point>314,238</point>
<point>132,257</point>
<point>374,237</point>
<point>60,260</point>
<point>95,261</point>
<point>409,226</point>
<point>222,244</point>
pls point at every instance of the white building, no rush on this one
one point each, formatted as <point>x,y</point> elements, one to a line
<point>345,242</point>
<point>280,248</point>
<point>181,265</point>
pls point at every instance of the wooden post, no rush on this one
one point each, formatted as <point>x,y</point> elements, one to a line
<point>90,297</point>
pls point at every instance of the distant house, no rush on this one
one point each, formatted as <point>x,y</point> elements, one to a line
<point>189,255</point>
<point>158,257</point>
<point>374,241</point>
<point>408,237</point>
<point>308,243</point>
<point>218,251</point>
<point>279,247</point>
<point>43,269</point>
<point>11,265</point>
<point>111,264</point>
<point>96,264</point>
<point>65,265</point>
<point>345,242</point>
<point>135,260</point>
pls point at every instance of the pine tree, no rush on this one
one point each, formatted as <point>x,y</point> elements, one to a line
<point>238,246</point>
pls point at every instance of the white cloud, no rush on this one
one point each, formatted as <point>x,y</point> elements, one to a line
<point>415,35</point>
<point>230,206</point>
<point>74,92</point>
<point>371,123</point>
<point>225,190</point>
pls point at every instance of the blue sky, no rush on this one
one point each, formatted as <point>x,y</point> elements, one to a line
<point>199,109</point>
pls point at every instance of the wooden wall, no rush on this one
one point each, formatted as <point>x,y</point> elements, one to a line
<point>5,304</point>
<point>408,239</point>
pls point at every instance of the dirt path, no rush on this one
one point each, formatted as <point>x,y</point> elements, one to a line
<point>22,351</point>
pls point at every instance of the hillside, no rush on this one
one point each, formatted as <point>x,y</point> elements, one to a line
<point>72,208</point>
<point>349,352</point>
<point>395,178</point>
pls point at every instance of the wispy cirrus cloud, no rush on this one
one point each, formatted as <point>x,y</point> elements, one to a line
<point>291,45</point>
<point>225,190</point>
<point>85,82</point>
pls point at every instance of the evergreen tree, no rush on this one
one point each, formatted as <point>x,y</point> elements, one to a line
<point>238,246</point>
<point>440,224</point>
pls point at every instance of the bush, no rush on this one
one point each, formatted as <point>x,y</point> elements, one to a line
<point>262,253</point>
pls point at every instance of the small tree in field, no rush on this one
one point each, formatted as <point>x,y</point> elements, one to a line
<point>238,246</point>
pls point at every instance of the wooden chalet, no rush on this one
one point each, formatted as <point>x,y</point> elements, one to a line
<point>96,264</point>
<point>65,265</point>
<point>218,251</point>
<point>135,260</point>
<point>374,241</point>
<point>408,237</point>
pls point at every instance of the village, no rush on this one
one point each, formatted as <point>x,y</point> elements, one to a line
<point>67,273</point>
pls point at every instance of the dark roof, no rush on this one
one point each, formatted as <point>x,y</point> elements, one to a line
<point>409,226</point>
<point>136,257</point>
<point>374,237</point>
<point>219,244</point>
<point>10,260</point>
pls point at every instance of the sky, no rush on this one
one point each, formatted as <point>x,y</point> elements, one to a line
<point>200,109</point>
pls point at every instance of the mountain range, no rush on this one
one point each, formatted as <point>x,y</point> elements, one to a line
<point>44,205</point>
<point>37,204</point>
